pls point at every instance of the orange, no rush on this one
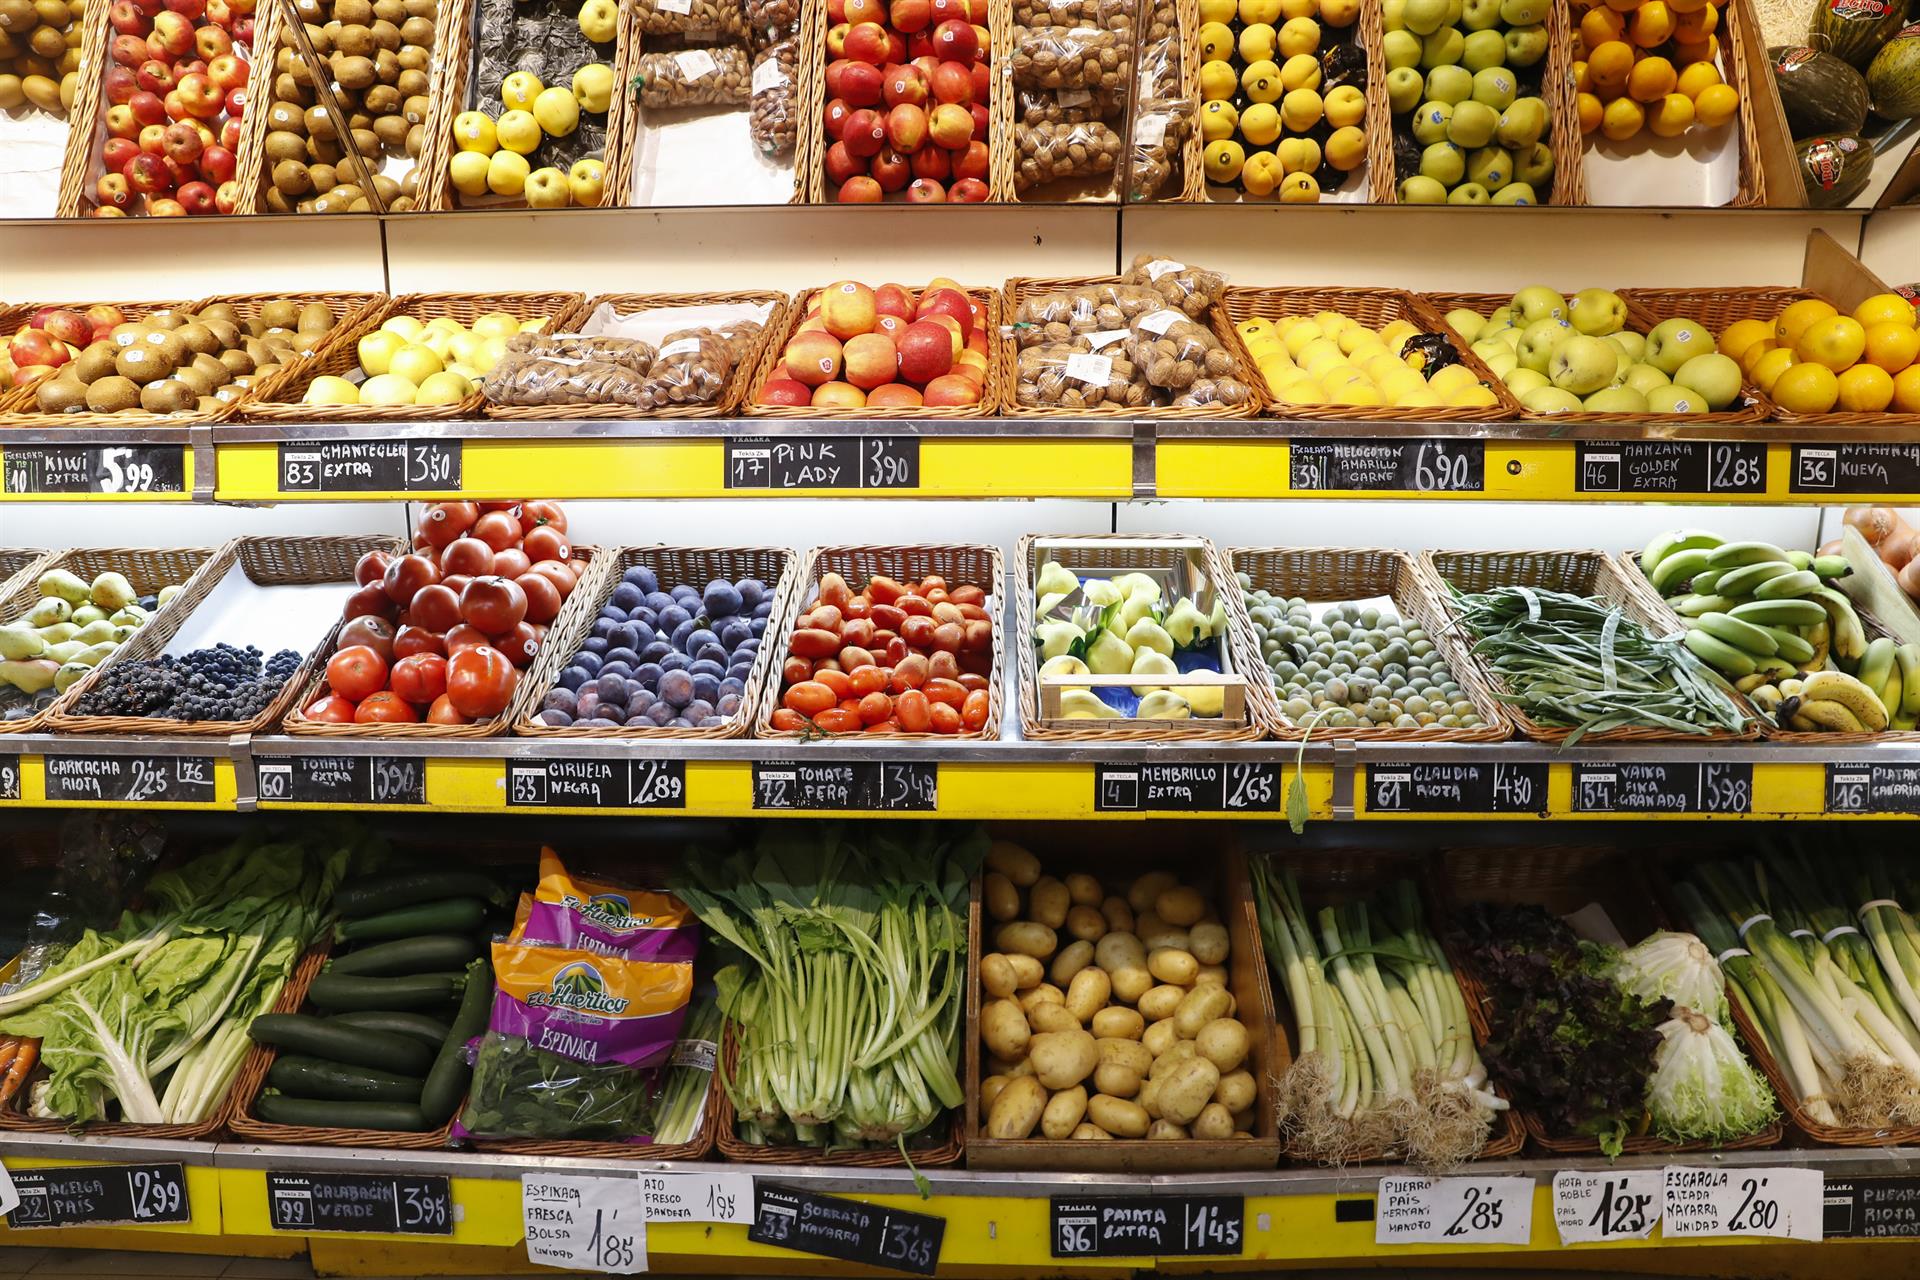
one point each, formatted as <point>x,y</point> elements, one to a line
<point>1685,6</point>
<point>1789,325</point>
<point>1768,368</point>
<point>1741,334</point>
<point>1671,116</point>
<point>1806,388</point>
<point>1690,28</point>
<point>1650,80</point>
<point>1600,25</point>
<point>1581,82</point>
<point>1715,105</point>
<point>1835,342</point>
<point>1884,306</point>
<point>1906,389</point>
<point>1622,119</point>
<point>1590,111</point>
<point>1865,388</point>
<point>1696,76</point>
<point>1608,66</point>
<point>1652,24</point>
<point>1891,345</point>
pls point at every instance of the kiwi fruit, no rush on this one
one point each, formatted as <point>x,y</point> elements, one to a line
<point>281,313</point>
<point>95,361</point>
<point>416,138</point>
<point>417,32</point>
<point>61,394</point>
<point>366,142</point>
<point>386,35</point>
<point>403,204</point>
<point>283,145</point>
<point>392,132</point>
<point>47,42</point>
<point>319,123</point>
<point>291,177</point>
<point>171,396</point>
<point>198,338</point>
<point>358,120</point>
<point>256,351</point>
<point>210,369</point>
<point>226,330</point>
<point>353,12</point>
<point>415,107</point>
<point>325,150</point>
<point>224,312</point>
<point>127,332</point>
<point>142,364</point>
<point>410,185</point>
<point>305,343</point>
<point>382,100</point>
<point>324,177</point>
<point>353,42</point>
<point>168,318</point>
<point>386,67</point>
<point>287,89</point>
<point>394,11</point>
<point>412,81</point>
<point>284,117</point>
<point>192,377</point>
<point>315,317</point>
<point>174,349</point>
<point>112,394</point>
<point>237,362</point>
<point>320,38</point>
<point>386,188</point>
<point>277,201</point>
<point>346,193</point>
<point>353,71</point>
<point>229,393</point>
<point>310,11</point>
<point>17,16</point>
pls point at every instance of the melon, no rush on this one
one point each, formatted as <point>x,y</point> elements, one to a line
<point>1835,168</point>
<point>1855,29</point>
<point>1820,93</point>
<point>1893,78</point>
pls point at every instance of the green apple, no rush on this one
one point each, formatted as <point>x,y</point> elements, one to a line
<point>1524,13</point>
<point>1466,321</point>
<point>1472,124</point>
<point>1515,193</point>
<point>1503,361</point>
<point>1420,189</point>
<point>1616,400</point>
<point>1485,348</point>
<point>1511,336</point>
<point>1526,45</point>
<point>1582,364</point>
<point>1430,122</point>
<point>1483,49</point>
<point>1502,316</point>
<point>1393,15</point>
<point>1450,85</point>
<point>443,388</point>
<point>1522,121</point>
<point>1714,376</point>
<point>1444,163</point>
<point>1672,399</point>
<point>1539,339</point>
<point>1443,48</point>
<point>376,350</point>
<point>1479,15</point>
<point>1493,86</point>
<point>1597,312</point>
<point>1405,88</point>
<point>1491,167</point>
<point>1523,381</point>
<point>1622,365</point>
<point>1550,400</point>
<point>1537,302</point>
<point>416,362</point>
<point>1674,342</point>
<point>1400,49</point>
<point>1634,344</point>
<point>1492,329</point>
<point>1469,193</point>
<point>1644,378</point>
<point>1454,9</point>
<point>1424,17</point>
<point>1534,167</point>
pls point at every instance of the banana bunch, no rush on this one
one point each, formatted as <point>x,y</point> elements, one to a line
<point>1770,621</point>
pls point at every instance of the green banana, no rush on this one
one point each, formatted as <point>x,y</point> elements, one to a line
<point>1746,579</point>
<point>1891,692</point>
<point>1779,613</point>
<point>1903,723</point>
<point>1849,638</point>
<point>1674,540</point>
<point>1718,654</point>
<point>1789,586</point>
<point>1676,569</point>
<point>1832,566</point>
<point>1694,606</point>
<point>1800,559</point>
<point>1703,581</point>
<point>1729,555</point>
<point>1876,664</point>
<point>1840,688</point>
<point>1756,641</point>
<point>1793,646</point>
<point>1908,656</point>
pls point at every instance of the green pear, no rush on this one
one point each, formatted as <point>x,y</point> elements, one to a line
<point>1424,17</point>
<point>1405,89</point>
<point>1491,167</point>
<point>1534,167</point>
<point>1430,122</point>
<point>1518,193</point>
<point>1550,400</point>
<point>29,675</point>
<point>1400,49</point>
<point>48,611</point>
<point>167,593</point>
<point>1616,400</point>
<point>112,591</point>
<point>93,633</point>
<point>1420,189</point>
<point>1443,48</point>
<point>18,643</point>
<point>1469,193</point>
<point>1444,163</point>
<point>1523,382</point>
<point>69,674</point>
<point>1526,45</point>
<point>1482,50</point>
<point>1672,399</point>
<point>1148,634</point>
<point>1449,84</point>
<point>1495,87</point>
<point>67,586</point>
<point>65,651</point>
<point>1644,378</point>
<point>59,631</point>
<point>1472,125</point>
<point>87,613</point>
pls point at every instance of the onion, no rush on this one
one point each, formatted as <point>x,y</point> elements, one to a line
<point>1874,523</point>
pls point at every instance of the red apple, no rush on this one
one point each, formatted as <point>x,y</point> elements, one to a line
<point>839,395</point>
<point>867,42</point>
<point>926,351</point>
<point>235,103</point>
<point>971,162</point>
<point>896,48</point>
<point>183,66</point>
<point>191,10</point>
<point>37,346</point>
<point>952,82</point>
<point>955,41</point>
<point>905,85</point>
<point>836,12</point>
<point>980,121</point>
<point>227,198</point>
<point>154,76</point>
<point>892,326</point>
<point>861,84</point>
<point>129,51</point>
<point>219,13</point>
<point>146,108</point>
<point>112,190</point>
<point>870,360</point>
<point>784,391</point>
<point>182,142</point>
<point>842,164</point>
<point>949,11</point>
<point>952,389</point>
<point>166,207</point>
<point>893,395</point>
<point>148,8</point>
<point>982,82</point>
<point>926,191</point>
<point>122,123</point>
<point>909,16</point>
<point>203,99</point>
<point>891,170</point>
<point>859,191</point>
<point>837,40</point>
<point>859,11</point>
<point>172,35</point>
<point>932,162</point>
<point>230,135</point>
<point>148,174</point>
<point>813,356</point>
<point>117,152</point>
<point>907,128</point>
<point>119,84</point>
<point>227,71</point>
<point>835,117</point>
<point>950,303</point>
<point>832,80</point>
<point>893,300</point>
<point>920,45</point>
<point>211,41</point>
<point>153,139</point>
<point>865,133</point>
<point>950,125</point>
<point>104,317</point>
<point>243,32</point>
<point>218,164</point>
<point>128,20</point>
<point>70,327</point>
<point>197,198</point>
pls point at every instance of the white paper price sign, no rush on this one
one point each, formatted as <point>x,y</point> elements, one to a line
<point>9,1198</point>
<point>1606,1206</point>
<point>1787,1203</point>
<point>1454,1211</point>
<point>697,1197</point>
<point>584,1223</point>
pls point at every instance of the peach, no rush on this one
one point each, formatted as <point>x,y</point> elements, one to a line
<point>839,395</point>
<point>950,126</point>
<point>947,301</point>
<point>848,309</point>
<point>971,161</point>
<point>953,389</point>
<point>952,82</point>
<point>893,395</point>
<point>871,360</point>
<point>861,84</point>
<point>909,16</point>
<point>866,133</point>
<point>813,358</point>
<point>926,191</point>
<point>955,41</point>
<point>891,170</point>
<point>866,42</point>
<point>905,85</point>
<point>893,300</point>
<point>784,391</point>
<point>907,128</point>
<point>926,351</point>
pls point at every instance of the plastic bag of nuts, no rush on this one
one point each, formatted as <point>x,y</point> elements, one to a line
<point>1159,128</point>
<point>630,352</point>
<point>1065,106</point>
<point>1049,152</point>
<point>1190,289</point>
<point>770,21</point>
<point>1062,315</point>
<point>1105,15</point>
<point>1174,351</point>
<point>725,19</point>
<point>1070,58</point>
<point>1067,375</point>
<point>1211,391</point>
<point>695,78</point>
<point>694,365</point>
<point>772,115</point>
<point>543,380</point>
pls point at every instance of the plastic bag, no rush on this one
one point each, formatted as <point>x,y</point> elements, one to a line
<point>613,919</point>
<point>1174,352</point>
<point>1059,317</point>
<point>1050,152</point>
<point>637,356</point>
<point>1162,118</point>
<point>770,21</point>
<point>773,117</point>
<point>694,365</point>
<point>1190,289</point>
<point>550,369</point>
<point>725,19</point>
<point>1070,58</point>
<point>695,78</point>
<point>1065,106</point>
<point>1102,15</point>
<point>1070,375</point>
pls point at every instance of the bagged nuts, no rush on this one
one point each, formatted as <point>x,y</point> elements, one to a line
<point>635,355</point>
<point>1101,308</point>
<point>1066,106</point>
<point>1070,58</point>
<point>770,21</point>
<point>1046,152</point>
<point>1175,351</point>
<point>1190,289</point>
<point>1099,14</point>
<point>694,365</point>
<point>723,18</point>
<point>568,368</point>
<point>773,120</point>
<point>695,78</point>
<point>1069,376</point>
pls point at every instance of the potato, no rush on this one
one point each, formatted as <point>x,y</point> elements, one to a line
<point>997,977</point>
<point>1011,1070</point>
<point>1130,982</point>
<point>1159,1037</point>
<point>1208,942</point>
<point>1003,1027</point>
<point>1086,923</point>
<point>1129,1052</point>
<point>1199,1007</point>
<point>1148,887</point>
<point>1084,890</point>
<point>1161,936</point>
<point>1013,862</point>
<point>1223,1042</point>
<point>1149,1097</point>
<point>1047,1016</point>
<point>1027,972</point>
<point>1165,1131</point>
<point>1074,957</point>
<point>1000,898</point>
<point>1092,1132</point>
<point>1024,937</point>
<point>1214,1121</point>
<point>990,1089</point>
<point>1116,1079</point>
<point>1211,975</point>
<point>1118,914</point>
<point>1243,1122</point>
<point>1236,1092</point>
<point>1180,906</point>
<point>1048,901</point>
<point>1116,951</point>
<point>1065,1110</point>
<point>1186,1089</point>
<point>1017,1109</point>
<point>1062,1059</point>
<point>1170,964</point>
<point>1117,1116</point>
<point>1176,1054</point>
<point>1088,993</point>
<point>1045,993</point>
<point>1161,1002</point>
<point>1118,1021</point>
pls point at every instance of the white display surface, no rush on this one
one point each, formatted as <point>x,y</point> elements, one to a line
<point>242,612</point>
<point>32,146</point>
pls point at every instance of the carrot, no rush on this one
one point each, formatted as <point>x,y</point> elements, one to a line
<point>23,1061</point>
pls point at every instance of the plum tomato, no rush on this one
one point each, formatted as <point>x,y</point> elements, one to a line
<point>932,582</point>
<point>968,594</point>
<point>976,636</point>
<point>511,563</point>
<point>858,607</point>
<point>437,608</point>
<point>446,521</point>
<point>787,720</point>
<point>442,712</point>
<point>420,679</point>
<point>945,691</point>
<point>414,640</point>
<point>839,720</point>
<point>794,670</point>
<point>834,590</point>
<point>949,636</point>
<point>506,505</point>
<point>944,611</point>
<point>826,617</point>
<point>812,642</point>
<point>467,555</point>
<point>853,657</point>
<point>375,633</point>
<point>973,712</point>
<point>942,665</point>
<point>498,529</point>
<point>480,681</point>
<point>836,680</point>
<point>915,606</point>
<point>887,617</point>
<point>370,599</point>
<point>914,711</point>
<point>543,597</point>
<point>385,707</point>
<point>809,697</point>
<point>371,567</point>
<point>946,719</point>
<point>917,632</point>
<point>534,515</point>
<point>972,681</point>
<point>875,708</point>
<point>857,631</point>
<point>407,577</point>
<point>547,543</point>
<point>910,672</point>
<point>868,679</point>
<point>884,590</point>
<point>465,637</point>
<point>356,672</point>
<point>331,709</point>
<point>494,605</point>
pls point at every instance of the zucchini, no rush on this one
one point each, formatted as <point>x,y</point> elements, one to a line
<point>428,1030</point>
<point>304,1033</point>
<point>376,895</point>
<point>406,956</point>
<point>449,915</point>
<point>345,991</point>
<point>306,1077</point>
<point>392,1117</point>
<point>447,1081</point>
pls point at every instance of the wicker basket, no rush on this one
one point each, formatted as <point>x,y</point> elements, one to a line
<point>19,407</point>
<point>342,356</point>
<point>18,566</point>
<point>810,151</point>
<point>147,568</point>
<point>958,562</point>
<point>534,680</point>
<point>1755,406</point>
<point>1120,552</point>
<point>1588,573</point>
<point>1356,875</point>
<point>778,567</point>
<point>1006,361</point>
<point>773,352</point>
<point>267,562</point>
<point>348,310</point>
<point>627,303</point>
<point>1359,573</point>
<point>1563,879</point>
<point>1373,308</point>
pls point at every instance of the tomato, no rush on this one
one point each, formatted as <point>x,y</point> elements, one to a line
<point>858,607</point>
<point>937,596</point>
<point>543,598</point>
<point>385,708</point>
<point>875,708</point>
<point>812,642</point>
<point>578,566</point>
<point>331,709</point>
<point>932,582</point>
<point>945,719</point>
<point>971,681</point>
<point>540,512</point>
<point>469,556</point>
<point>787,720</point>
<point>480,681</point>
<point>945,612</point>
<point>942,666</point>
<point>421,678</point>
<point>809,697</point>
<point>511,563</point>
<point>836,680</point>
<point>946,691</point>
<point>407,577</point>
<point>547,543</point>
<point>456,583</point>
<point>370,599</point>
<point>887,617</point>
<point>494,605</point>
<point>915,605</point>
<point>371,567</point>
<point>446,521</point>
<point>560,574</point>
<point>442,712</point>
<point>857,631</point>
<point>973,712</point>
<point>978,661</point>
<point>949,636</point>
<point>416,640</point>
<point>896,651</point>
<point>375,633</point>
<point>498,529</point>
<point>838,720</point>
<point>794,670</point>
<point>520,644</point>
<point>355,672</point>
<point>976,636</point>
<point>834,589</point>
<point>914,710</point>
<point>464,637</point>
<point>968,594</point>
<point>509,505</point>
<point>884,590</point>
<point>853,657</point>
<point>868,680</point>
<point>437,608</point>
<point>917,632</point>
<point>974,613</point>
<point>909,673</point>
<point>826,617</point>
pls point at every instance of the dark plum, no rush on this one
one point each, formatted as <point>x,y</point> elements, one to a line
<point>740,671</point>
<point>560,700</point>
<point>627,596</point>
<point>678,639</point>
<point>698,709</point>
<point>638,700</point>
<point>676,687</point>
<point>603,628</point>
<point>655,651</point>
<point>590,661</point>
<point>712,653</point>
<point>648,673</point>
<point>721,599</point>
<point>762,609</point>
<point>759,626</point>
<point>733,684</point>
<point>574,677</point>
<point>658,600</point>
<point>621,669</point>
<point>596,645</point>
<point>699,638</point>
<point>736,632</point>
<point>671,618</point>
<point>660,712</point>
<point>752,592</point>
<point>623,654</point>
<point>642,577</point>
<point>706,687</point>
<point>556,719</point>
<point>640,720</point>
<point>705,667</point>
<point>712,722</point>
<point>729,704</point>
<point>675,662</point>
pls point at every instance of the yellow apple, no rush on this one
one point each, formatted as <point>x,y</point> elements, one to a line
<point>556,112</point>
<point>447,323</point>
<point>598,20</point>
<point>593,86</point>
<point>416,363</point>
<point>587,182</point>
<point>518,131</point>
<point>438,341</point>
<point>507,173</point>
<point>443,388</point>
<point>534,325</point>
<point>469,170</point>
<point>491,353</point>
<point>473,131</point>
<point>376,350</point>
<point>496,324</point>
<point>464,346</point>
<point>328,389</point>
<point>546,188</point>
<point>408,327</point>
<point>519,90</point>
<point>388,389</point>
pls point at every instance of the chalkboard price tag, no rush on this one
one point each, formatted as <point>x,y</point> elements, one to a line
<point>1402,466</point>
<point>834,1227</point>
<point>100,1194</point>
<point>9,778</point>
<point>154,779</point>
<point>1873,788</point>
<point>1204,787</point>
<point>1147,1226</point>
<point>1663,788</point>
<point>344,780</point>
<point>370,466</point>
<point>596,784</point>
<point>786,463</point>
<point>1670,467</point>
<point>890,787</point>
<point>1457,788</point>
<point>82,468</point>
<point>1873,1209</point>
<point>1866,469</point>
<point>360,1203</point>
